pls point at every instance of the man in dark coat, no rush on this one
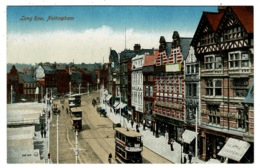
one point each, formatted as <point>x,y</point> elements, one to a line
<point>190,157</point>
<point>184,159</point>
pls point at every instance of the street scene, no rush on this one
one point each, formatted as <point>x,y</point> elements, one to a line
<point>96,87</point>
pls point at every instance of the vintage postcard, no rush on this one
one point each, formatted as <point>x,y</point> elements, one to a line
<point>146,84</point>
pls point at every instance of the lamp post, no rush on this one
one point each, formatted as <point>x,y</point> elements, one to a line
<point>181,148</point>
<point>119,105</point>
<point>11,94</point>
<point>88,88</point>
<point>196,130</point>
<point>57,138</point>
<point>79,88</point>
<point>76,147</point>
<point>70,88</point>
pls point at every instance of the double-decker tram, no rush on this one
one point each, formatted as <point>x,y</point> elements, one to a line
<point>129,145</point>
<point>76,116</point>
<point>74,101</point>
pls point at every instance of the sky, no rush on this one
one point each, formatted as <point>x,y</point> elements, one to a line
<point>92,30</point>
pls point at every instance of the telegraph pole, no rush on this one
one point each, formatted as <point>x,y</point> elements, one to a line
<point>57,138</point>
<point>11,94</point>
<point>76,147</point>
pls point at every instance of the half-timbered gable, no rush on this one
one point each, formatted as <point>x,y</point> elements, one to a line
<point>204,38</point>
<point>236,28</point>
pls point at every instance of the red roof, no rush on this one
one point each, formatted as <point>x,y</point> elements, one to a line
<point>214,19</point>
<point>245,15</point>
<point>150,59</point>
<point>41,82</point>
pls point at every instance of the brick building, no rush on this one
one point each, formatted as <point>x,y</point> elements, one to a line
<point>223,44</point>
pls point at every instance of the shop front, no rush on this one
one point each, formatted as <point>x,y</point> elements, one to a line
<point>169,127</point>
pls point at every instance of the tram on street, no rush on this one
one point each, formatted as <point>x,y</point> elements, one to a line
<point>76,116</point>
<point>74,101</point>
<point>128,145</point>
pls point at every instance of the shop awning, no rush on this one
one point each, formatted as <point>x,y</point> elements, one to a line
<point>116,104</point>
<point>123,105</point>
<point>234,149</point>
<point>188,136</point>
<point>108,97</point>
<point>119,105</point>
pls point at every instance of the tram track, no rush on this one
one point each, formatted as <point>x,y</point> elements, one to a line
<point>97,136</point>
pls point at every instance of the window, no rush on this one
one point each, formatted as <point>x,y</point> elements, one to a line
<point>188,69</point>
<point>191,89</point>
<point>146,90</point>
<point>242,119</point>
<point>175,57</point>
<point>213,117</point>
<point>196,68</point>
<point>161,59</point>
<point>213,62</point>
<point>151,91</point>
<point>238,60</point>
<point>214,87</point>
<point>233,33</point>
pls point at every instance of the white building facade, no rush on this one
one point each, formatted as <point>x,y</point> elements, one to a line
<point>137,87</point>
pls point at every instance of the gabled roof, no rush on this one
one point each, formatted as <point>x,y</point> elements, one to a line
<point>210,18</point>
<point>213,19</point>
<point>26,78</point>
<point>48,69</point>
<point>61,67</point>
<point>185,46</point>
<point>245,16</point>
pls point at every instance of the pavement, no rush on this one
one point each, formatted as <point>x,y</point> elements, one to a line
<point>158,145</point>
<point>41,143</point>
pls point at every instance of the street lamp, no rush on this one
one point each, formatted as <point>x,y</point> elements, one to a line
<point>57,138</point>
<point>181,147</point>
<point>88,88</point>
<point>79,88</point>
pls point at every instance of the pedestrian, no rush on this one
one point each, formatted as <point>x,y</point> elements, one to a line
<point>42,126</point>
<point>44,132</point>
<point>132,123</point>
<point>143,124</point>
<point>172,141</point>
<point>109,157</point>
<point>190,156</point>
<point>185,159</point>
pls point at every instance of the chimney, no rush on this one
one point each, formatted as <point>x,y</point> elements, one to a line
<point>137,47</point>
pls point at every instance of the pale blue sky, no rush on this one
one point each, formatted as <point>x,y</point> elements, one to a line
<point>141,18</point>
<point>94,30</point>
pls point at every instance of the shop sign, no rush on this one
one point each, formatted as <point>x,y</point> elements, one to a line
<point>173,68</point>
